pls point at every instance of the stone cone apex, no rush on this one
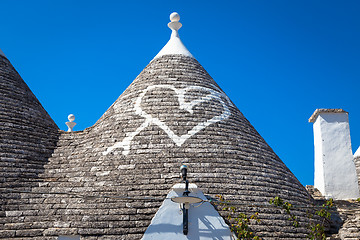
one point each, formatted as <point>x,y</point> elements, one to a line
<point>28,134</point>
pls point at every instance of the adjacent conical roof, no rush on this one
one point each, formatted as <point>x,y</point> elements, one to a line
<point>28,134</point>
<point>109,180</point>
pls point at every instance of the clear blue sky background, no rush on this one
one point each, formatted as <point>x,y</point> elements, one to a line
<point>277,60</point>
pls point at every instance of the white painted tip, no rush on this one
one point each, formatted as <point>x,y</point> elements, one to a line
<point>2,53</point>
<point>357,153</point>
<point>174,45</point>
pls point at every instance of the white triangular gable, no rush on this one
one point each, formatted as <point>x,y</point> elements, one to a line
<point>204,221</point>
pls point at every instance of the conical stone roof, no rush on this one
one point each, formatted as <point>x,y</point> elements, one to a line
<point>27,131</point>
<point>175,113</point>
<point>27,138</point>
<point>108,181</point>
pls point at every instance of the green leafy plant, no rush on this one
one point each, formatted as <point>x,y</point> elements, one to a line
<point>317,230</point>
<point>239,224</point>
<point>277,201</point>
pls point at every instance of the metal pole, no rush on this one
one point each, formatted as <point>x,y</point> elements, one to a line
<point>185,220</point>
<point>185,210</point>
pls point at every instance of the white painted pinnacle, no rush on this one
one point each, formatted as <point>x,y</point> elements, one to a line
<point>174,45</point>
<point>174,25</point>
<point>71,124</point>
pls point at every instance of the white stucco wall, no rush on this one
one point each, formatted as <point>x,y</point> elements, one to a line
<point>335,173</point>
<point>319,180</point>
<point>204,221</point>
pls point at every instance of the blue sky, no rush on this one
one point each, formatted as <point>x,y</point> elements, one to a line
<point>277,60</point>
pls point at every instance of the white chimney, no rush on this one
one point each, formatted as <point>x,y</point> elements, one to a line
<point>335,173</point>
<point>357,164</point>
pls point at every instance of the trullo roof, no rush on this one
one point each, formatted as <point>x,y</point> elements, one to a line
<point>28,134</point>
<point>108,181</point>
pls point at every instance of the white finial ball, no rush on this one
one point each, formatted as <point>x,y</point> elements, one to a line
<point>174,17</point>
<point>71,117</point>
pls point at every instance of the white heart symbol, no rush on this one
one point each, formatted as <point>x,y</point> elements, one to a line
<point>188,106</point>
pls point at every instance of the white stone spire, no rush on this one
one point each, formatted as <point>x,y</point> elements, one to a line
<point>2,53</point>
<point>174,45</point>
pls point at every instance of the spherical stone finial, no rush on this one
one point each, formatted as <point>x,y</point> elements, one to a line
<point>174,17</point>
<point>174,25</point>
<point>71,117</point>
<point>71,124</point>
